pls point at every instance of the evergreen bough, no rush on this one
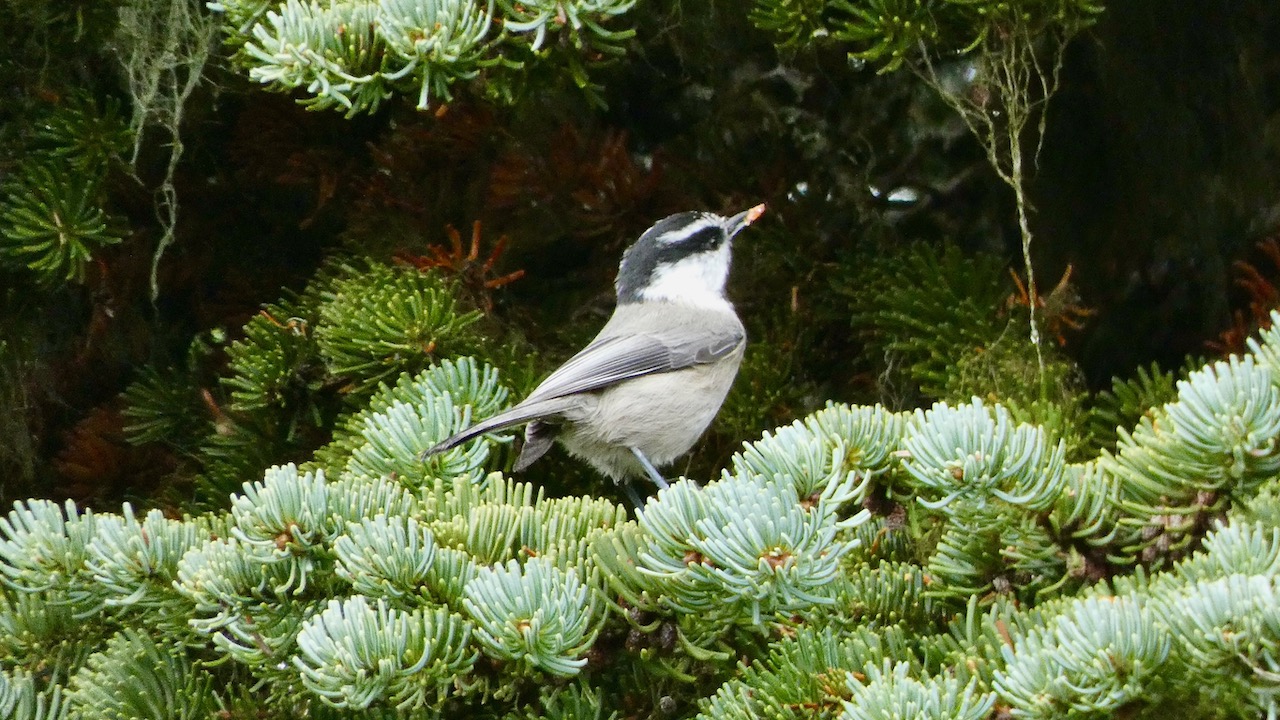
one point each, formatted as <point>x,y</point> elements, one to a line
<point>301,367</point>
<point>353,55</point>
<point>53,214</point>
<point>859,563</point>
<point>52,220</point>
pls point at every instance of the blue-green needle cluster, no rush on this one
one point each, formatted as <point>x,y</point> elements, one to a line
<point>859,563</point>
<point>354,55</point>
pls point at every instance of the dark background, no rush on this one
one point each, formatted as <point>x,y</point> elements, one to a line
<point>1159,173</point>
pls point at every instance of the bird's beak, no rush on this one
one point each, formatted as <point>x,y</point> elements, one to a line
<point>745,218</point>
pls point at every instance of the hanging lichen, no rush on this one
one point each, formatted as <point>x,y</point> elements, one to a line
<point>163,46</point>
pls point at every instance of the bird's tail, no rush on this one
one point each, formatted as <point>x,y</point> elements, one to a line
<point>518,415</point>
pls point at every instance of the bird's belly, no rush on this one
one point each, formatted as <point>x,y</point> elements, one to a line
<point>661,415</point>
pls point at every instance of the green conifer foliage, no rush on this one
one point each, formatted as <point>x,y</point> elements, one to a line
<point>20,698</point>
<point>401,421</point>
<point>353,654</point>
<point>135,562</point>
<point>1127,401</point>
<point>926,309</point>
<point>939,324</point>
<point>375,325</point>
<point>53,214</point>
<point>140,677</point>
<point>52,221</point>
<point>1097,658</point>
<point>164,406</point>
<point>305,360</point>
<point>535,614</point>
<point>858,563</point>
<point>891,692</point>
<point>353,55</point>
<point>273,366</point>
<point>385,558</point>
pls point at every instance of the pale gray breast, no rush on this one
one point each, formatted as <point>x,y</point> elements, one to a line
<point>680,326</point>
<point>664,414</point>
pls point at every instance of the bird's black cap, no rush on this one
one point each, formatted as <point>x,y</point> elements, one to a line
<point>672,239</point>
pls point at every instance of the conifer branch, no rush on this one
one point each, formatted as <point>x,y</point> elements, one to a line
<point>811,556</point>
<point>353,55</point>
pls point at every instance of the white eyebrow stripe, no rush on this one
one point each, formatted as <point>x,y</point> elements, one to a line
<point>674,236</point>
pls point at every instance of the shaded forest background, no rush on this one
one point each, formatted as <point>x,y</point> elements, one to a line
<point>1157,186</point>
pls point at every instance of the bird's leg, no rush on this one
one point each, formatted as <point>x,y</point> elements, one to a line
<point>654,475</point>
<point>634,496</point>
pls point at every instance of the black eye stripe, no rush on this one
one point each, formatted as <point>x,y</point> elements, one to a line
<point>671,240</point>
<point>699,242</point>
<point>703,239</point>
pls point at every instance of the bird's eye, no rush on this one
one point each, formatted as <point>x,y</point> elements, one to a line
<point>701,239</point>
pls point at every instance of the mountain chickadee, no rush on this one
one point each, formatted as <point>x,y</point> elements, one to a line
<point>644,390</point>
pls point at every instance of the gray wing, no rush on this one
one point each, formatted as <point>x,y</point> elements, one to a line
<point>610,360</point>
<point>672,340</point>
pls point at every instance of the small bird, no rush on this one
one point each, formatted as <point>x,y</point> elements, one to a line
<point>646,388</point>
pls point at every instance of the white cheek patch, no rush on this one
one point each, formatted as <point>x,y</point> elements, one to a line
<point>697,280</point>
